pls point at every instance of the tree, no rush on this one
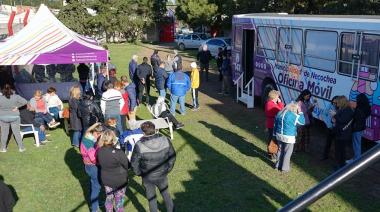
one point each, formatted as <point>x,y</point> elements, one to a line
<point>196,12</point>
<point>75,16</point>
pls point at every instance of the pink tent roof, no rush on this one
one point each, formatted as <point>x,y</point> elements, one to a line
<point>45,40</point>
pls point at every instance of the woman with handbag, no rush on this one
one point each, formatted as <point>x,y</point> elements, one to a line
<point>285,129</point>
<point>343,129</point>
<point>272,107</point>
<point>113,171</point>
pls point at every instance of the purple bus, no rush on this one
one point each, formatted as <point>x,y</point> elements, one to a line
<point>329,55</point>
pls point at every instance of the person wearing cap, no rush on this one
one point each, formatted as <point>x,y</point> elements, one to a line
<point>88,150</point>
<point>194,77</point>
<point>153,157</point>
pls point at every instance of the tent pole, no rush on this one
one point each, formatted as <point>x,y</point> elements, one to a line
<point>108,72</point>
<point>92,77</point>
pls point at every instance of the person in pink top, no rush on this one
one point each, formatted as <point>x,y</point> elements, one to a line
<point>88,150</point>
<point>306,107</point>
<point>39,106</point>
<point>272,107</point>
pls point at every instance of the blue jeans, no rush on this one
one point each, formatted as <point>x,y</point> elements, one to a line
<point>77,135</point>
<point>55,111</point>
<point>173,103</point>
<point>92,172</point>
<point>357,144</point>
<point>41,135</point>
<point>45,116</point>
<point>119,125</point>
<point>162,92</point>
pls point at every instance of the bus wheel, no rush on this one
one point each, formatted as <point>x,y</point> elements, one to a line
<point>265,92</point>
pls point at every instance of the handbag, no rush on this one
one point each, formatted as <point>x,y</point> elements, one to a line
<point>66,113</point>
<point>272,147</point>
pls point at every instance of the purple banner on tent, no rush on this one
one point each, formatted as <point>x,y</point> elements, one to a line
<point>72,53</point>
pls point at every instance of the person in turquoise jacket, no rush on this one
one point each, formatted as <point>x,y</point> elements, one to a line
<point>178,84</point>
<point>285,132</point>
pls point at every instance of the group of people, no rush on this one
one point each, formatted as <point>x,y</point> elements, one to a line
<point>289,126</point>
<point>41,112</point>
<point>153,158</point>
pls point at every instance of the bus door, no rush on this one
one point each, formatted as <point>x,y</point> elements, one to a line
<point>248,54</point>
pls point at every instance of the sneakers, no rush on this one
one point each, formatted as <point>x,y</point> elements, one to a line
<point>349,161</point>
<point>179,126</point>
<point>22,150</point>
<point>3,150</point>
<point>53,124</point>
<point>195,109</point>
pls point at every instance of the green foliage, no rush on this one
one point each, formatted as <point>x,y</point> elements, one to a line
<point>220,12</point>
<point>114,18</point>
<point>74,15</point>
<point>197,12</point>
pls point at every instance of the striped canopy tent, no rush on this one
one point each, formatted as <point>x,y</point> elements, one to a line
<point>45,40</point>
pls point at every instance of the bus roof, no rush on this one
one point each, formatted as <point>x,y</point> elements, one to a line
<point>306,16</point>
<point>343,22</point>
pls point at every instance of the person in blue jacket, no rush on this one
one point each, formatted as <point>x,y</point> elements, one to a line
<point>178,84</point>
<point>285,131</point>
<point>132,69</point>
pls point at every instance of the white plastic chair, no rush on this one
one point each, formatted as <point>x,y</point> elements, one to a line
<point>32,131</point>
<point>59,114</point>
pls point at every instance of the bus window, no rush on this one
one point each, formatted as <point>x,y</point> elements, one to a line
<point>320,50</point>
<point>347,51</point>
<point>266,44</point>
<point>369,58</point>
<point>290,43</point>
<point>369,62</point>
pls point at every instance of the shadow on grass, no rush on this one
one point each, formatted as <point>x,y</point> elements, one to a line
<point>220,184</point>
<point>132,195</point>
<point>252,120</point>
<point>238,142</point>
<point>74,161</point>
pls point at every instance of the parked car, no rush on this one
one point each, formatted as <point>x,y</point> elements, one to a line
<point>190,41</point>
<point>213,45</point>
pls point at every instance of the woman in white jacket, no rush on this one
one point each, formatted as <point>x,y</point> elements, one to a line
<point>285,131</point>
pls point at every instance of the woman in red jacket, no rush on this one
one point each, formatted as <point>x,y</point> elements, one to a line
<point>124,111</point>
<point>272,107</point>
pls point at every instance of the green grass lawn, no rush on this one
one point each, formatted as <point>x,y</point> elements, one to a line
<point>221,164</point>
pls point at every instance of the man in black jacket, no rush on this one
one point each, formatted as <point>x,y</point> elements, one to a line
<point>155,60</point>
<point>144,72</point>
<point>204,57</point>
<point>153,158</point>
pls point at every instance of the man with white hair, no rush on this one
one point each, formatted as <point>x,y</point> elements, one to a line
<point>132,69</point>
<point>204,57</point>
